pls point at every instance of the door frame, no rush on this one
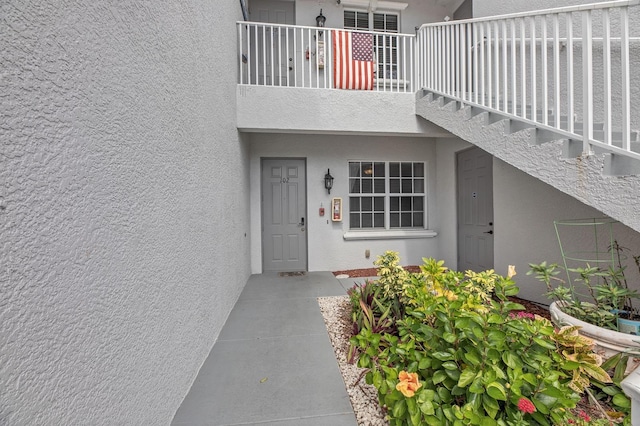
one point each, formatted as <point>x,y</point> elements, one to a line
<point>305,183</point>
<point>458,195</point>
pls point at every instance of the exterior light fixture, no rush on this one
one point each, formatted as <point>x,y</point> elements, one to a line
<point>328,182</point>
<point>320,20</point>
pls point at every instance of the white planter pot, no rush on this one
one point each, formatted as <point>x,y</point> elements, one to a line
<point>608,342</point>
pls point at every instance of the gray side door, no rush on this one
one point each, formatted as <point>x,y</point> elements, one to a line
<point>274,65</point>
<point>284,228</point>
<point>475,210</point>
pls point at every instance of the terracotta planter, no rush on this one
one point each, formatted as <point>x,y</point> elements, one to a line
<point>608,342</point>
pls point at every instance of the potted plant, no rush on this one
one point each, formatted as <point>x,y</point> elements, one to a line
<point>598,300</point>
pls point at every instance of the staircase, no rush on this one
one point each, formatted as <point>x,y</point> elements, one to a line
<point>603,180</point>
<point>496,82</point>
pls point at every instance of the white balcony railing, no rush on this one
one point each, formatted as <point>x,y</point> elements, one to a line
<point>298,56</point>
<point>568,70</point>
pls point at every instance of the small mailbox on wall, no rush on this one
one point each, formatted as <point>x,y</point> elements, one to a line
<point>336,209</point>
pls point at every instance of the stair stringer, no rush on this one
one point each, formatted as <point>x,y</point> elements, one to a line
<point>580,177</point>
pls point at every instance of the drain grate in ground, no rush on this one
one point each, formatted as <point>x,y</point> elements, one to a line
<point>293,274</point>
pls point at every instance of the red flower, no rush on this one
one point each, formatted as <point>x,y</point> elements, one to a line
<point>526,406</point>
<point>584,416</point>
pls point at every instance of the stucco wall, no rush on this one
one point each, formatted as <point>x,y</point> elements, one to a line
<point>119,166</point>
<point>274,109</point>
<point>446,201</point>
<point>417,13</point>
<point>524,211</point>
<point>327,248</point>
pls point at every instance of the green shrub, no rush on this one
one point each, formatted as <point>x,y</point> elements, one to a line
<point>460,355</point>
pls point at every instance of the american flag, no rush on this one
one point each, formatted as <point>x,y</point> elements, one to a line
<point>353,60</point>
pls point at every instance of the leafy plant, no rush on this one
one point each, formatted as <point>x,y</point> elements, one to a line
<point>369,313</point>
<point>460,355</point>
<point>607,290</point>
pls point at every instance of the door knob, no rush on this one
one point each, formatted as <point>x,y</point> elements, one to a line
<point>488,232</point>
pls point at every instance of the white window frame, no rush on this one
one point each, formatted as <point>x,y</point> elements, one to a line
<point>387,231</point>
<point>385,68</point>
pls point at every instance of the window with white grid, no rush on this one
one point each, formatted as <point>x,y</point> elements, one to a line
<point>386,48</point>
<point>386,195</point>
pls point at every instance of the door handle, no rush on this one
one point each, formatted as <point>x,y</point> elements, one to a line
<point>488,232</point>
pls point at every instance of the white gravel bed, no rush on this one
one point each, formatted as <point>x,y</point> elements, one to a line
<point>364,398</point>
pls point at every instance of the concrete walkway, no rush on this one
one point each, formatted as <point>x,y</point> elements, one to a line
<point>273,363</point>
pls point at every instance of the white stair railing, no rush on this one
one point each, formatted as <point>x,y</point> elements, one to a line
<point>553,68</point>
<point>298,56</point>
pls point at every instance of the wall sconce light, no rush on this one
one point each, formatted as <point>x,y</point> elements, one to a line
<point>320,20</point>
<point>328,182</point>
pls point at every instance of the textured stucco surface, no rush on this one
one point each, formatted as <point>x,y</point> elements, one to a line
<point>301,110</point>
<point>524,211</point>
<point>416,13</point>
<point>119,166</point>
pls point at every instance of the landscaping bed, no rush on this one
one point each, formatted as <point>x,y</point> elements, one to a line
<point>413,383</point>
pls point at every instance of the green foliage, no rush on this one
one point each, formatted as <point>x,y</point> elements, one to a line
<point>392,277</point>
<point>608,292</point>
<point>476,360</point>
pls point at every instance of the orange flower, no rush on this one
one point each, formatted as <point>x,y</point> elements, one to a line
<point>409,383</point>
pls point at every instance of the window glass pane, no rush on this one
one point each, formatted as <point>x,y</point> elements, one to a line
<point>367,220</point>
<point>363,20</point>
<point>354,169</point>
<point>354,204</point>
<point>395,204</point>
<point>367,169</point>
<point>394,169</point>
<point>378,220</point>
<point>378,169</point>
<point>418,204</point>
<point>367,204</point>
<point>385,22</point>
<point>378,204</point>
<point>394,186</point>
<point>407,186</point>
<point>349,19</point>
<point>418,219</point>
<point>407,169</point>
<point>367,187</point>
<point>356,20</point>
<point>378,186</point>
<point>418,185</point>
<point>354,186</point>
<point>405,203</point>
<point>418,169</point>
<point>405,220</point>
<point>394,220</point>
<point>354,220</point>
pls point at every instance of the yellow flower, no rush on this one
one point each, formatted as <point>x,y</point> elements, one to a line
<point>512,271</point>
<point>409,383</point>
<point>451,296</point>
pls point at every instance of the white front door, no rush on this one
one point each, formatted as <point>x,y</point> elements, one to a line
<point>284,226</point>
<point>475,210</point>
